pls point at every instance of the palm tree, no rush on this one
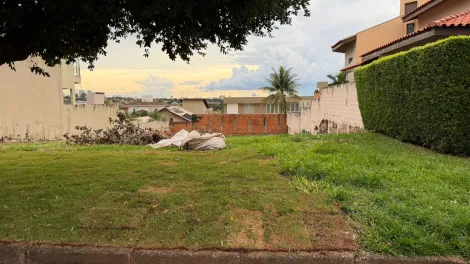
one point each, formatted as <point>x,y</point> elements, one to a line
<point>340,78</point>
<point>282,84</point>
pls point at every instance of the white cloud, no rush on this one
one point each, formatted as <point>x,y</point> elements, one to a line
<point>242,79</point>
<point>156,86</point>
<point>306,45</point>
<point>190,83</point>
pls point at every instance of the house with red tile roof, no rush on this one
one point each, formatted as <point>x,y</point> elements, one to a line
<point>420,22</point>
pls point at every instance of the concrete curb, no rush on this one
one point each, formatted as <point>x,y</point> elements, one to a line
<point>16,253</point>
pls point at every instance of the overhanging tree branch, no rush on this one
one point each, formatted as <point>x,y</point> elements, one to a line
<point>67,30</point>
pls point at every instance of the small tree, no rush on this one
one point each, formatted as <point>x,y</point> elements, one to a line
<point>156,116</point>
<point>340,78</point>
<point>134,114</point>
<point>282,84</point>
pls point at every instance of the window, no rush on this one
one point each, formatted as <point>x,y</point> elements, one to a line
<point>249,109</point>
<point>68,96</point>
<point>350,62</point>
<point>293,107</point>
<point>410,28</point>
<point>272,108</point>
<point>410,7</point>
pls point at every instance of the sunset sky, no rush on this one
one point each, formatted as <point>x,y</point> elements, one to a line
<point>305,46</point>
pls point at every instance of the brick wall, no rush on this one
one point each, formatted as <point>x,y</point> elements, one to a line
<point>336,111</point>
<point>236,124</point>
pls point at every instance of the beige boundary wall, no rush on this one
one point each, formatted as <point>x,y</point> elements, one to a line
<point>93,116</point>
<point>337,111</point>
<point>32,107</point>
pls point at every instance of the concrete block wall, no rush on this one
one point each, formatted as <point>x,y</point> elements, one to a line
<point>32,107</point>
<point>257,124</point>
<point>92,116</point>
<point>337,111</point>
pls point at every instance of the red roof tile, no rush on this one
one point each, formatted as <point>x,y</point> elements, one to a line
<point>458,20</point>
<point>351,67</point>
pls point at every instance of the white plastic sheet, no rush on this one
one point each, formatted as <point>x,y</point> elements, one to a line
<point>193,141</point>
<point>175,141</point>
<point>196,141</point>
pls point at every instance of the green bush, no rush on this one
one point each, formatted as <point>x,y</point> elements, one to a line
<point>420,96</point>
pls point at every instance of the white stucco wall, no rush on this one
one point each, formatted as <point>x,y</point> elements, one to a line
<point>32,107</point>
<point>337,111</point>
<point>95,99</point>
<point>155,125</point>
<point>92,116</point>
<point>232,109</point>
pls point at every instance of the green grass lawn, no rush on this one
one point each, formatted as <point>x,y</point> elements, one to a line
<point>401,199</point>
<point>264,192</point>
<point>141,197</point>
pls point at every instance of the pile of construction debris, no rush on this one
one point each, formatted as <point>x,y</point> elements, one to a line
<point>193,141</point>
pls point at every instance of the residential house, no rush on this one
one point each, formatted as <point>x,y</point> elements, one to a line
<point>420,22</point>
<point>196,106</point>
<point>145,106</point>
<point>255,105</point>
<point>175,114</point>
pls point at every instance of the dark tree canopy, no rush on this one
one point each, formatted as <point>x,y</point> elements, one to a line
<point>56,30</point>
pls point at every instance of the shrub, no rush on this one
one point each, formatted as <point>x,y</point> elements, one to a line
<point>420,96</point>
<point>156,116</point>
<point>121,132</point>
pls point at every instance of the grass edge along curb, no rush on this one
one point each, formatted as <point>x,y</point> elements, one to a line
<point>18,253</point>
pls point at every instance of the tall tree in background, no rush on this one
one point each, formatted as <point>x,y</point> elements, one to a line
<point>283,84</point>
<point>69,30</point>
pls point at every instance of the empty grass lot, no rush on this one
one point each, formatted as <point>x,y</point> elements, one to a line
<point>274,192</point>
<point>401,199</point>
<point>141,197</point>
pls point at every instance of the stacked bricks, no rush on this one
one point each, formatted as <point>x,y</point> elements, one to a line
<point>257,124</point>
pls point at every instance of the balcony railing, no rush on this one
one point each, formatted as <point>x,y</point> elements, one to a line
<point>76,73</point>
<point>76,69</point>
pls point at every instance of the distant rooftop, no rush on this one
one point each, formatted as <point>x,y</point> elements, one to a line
<point>258,100</point>
<point>179,111</point>
<point>158,103</point>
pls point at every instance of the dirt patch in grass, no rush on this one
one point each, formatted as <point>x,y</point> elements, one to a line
<point>330,231</point>
<point>266,162</point>
<point>225,162</point>
<point>285,231</point>
<point>249,230</point>
<point>155,190</point>
<point>168,163</point>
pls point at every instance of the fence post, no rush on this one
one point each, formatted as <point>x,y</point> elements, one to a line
<point>235,125</point>
<point>249,124</point>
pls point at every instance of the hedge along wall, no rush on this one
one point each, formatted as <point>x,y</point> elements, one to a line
<point>420,96</point>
